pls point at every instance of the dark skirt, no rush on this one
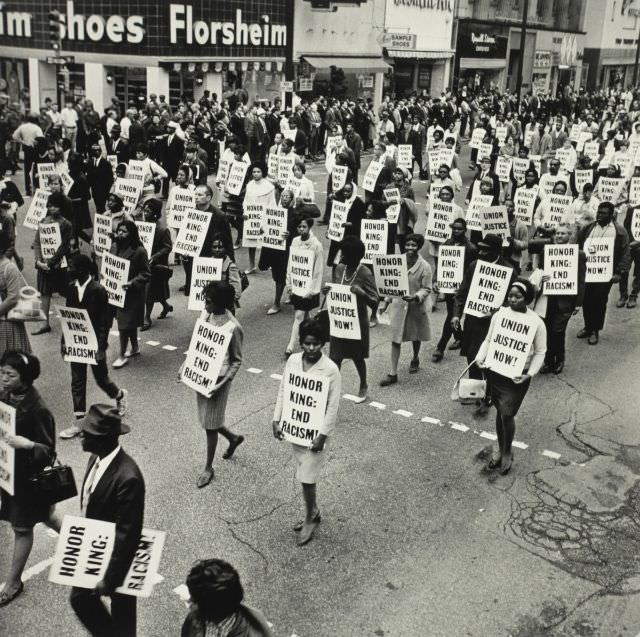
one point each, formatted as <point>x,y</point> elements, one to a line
<point>13,335</point>
<point>277,261</point>
<point>506,395</point>
<point>305,304</point>
<point>55,281</point>
<point>22,512</point>
<point>352,349</point>
<point>475,330</point>
<point>158,286</point>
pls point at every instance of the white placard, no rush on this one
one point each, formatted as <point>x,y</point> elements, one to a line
<point>583,177</point>
<point>537,163</point>
<point>592,150</point>
<point>274,227</point>
<point>303,407</point>
<point>488,289</point>
<point>524,203</point>
<point>339,177</point>
<point>205,270</point>
<point>373,233</point>
<point>635,224</point>
<point>501,134</point>
<point>180,200</point>
<point>45,170</point>
<point>147,232</point>
<point>272,165</point>
<point>66,181</point>
<point>563,155</point>
<point>285,168</point>
<point>129,190</point>
<point>7,452</point>
<point>634,191</point>
<point>192,233</point>
<point>236,177</point>
<point>37,210</point>
<point>439,220</point>
<point>223,169</point>
<point>477,138</point>
<point>599,259</point>
<point>484,152</point>
<point>252,227</point>
<point>137,171</point>
<point>79,344</point>
<point>495,220</point>
<point>585,137</point>
<point>391,274</point>
<point>300,270</point>
<point>450,268</point>
<point>101,233</point>
<point>520,165</point>
<point>50,241</point>
<point>371,176</point>
<point>558,208</point>
<point>561,264</point>
<point>511,340</point>
<point>609,189</point>
<point>114,273</point>
<point>205,356</point>
<point>342,306</point>
<point>339,212</point>
<point>473,216</point>
<point>405,156</point>
<point>503,168</point>
<point>433,157</point>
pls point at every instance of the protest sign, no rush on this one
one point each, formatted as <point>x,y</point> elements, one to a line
<point>635,224</point>
<point>501,134</point>
<point>405,156</point>
<point>473,216</point>
<point>192,232</point>
<point>303,406</point>
<point>372,174</point>
<point>599,259</point>
<point>446,156</point>
<point>129,190</point>
<point>205,356</point>
<point>373,233</point>
<point>338,177</point>
<point>547,184</point>
<point>147,232</point>
<point>80,344</point>
<point>563,155</point>
<point>333,143</point>
<point>503,167</point>
<point>624,161</point>
<point>339,212</point>
<point>272,165</point>
<point>434,191</point>
<point>392,194</point>
<point>45,170</point>
<point>236,177</point>
<point>485,151</point>
<point>180,200</point>
<point>274,227</point>
<point>582,178</point>
<point>113,162</point>
<point>294,185</point>
<point>592,150</point>
<point>609,189</point>
<point>477,137</point>
<point>634,191</point>
<point>495,220</point>
<point>585,137</point>
<point>7,452</point>
<point>285,168</point>
<point>205,270</point>
<point>391,275</point>
<point>561,264</point>
<point>226,159</point>
<point>50,241</point>
<point>101,233</point>
<point>524,203</point>
<point>574,133</point>
<point>438,221</point>
<point>137,171</point>
<point>84,549</point>
<point>342,307</point>
<point>114,274</point>
<point>433,156</point>
<point>393,211</point>
<point>37,210</point>
<point>528,137</point>
<point>450,268</point>
<point>511,340</point>
<point>488,289</point>
<point>537,163</point>
<point>558,209</point>
<point>66,181</point>
<point>300,271</point>
<point>252,228</point>
<point>520,166</point>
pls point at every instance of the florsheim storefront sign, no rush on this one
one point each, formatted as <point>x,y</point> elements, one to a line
<point>200,27</point>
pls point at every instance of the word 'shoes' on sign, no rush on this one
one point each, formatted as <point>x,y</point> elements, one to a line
<point>488,289</point>
<point>510,342</point>
<point>80,344</point>
<point>373,233</point>
<point>343,313</point>
<point>339,212</point>
<point>7,452</point>
<point>390,272</point>
<point>450,268</point>
<point>114,274</point>
<point>561,264</point>
<point>205,270</point>
<point>192,233</point>
<point>303,407</point>
<point>205,356</point>
<point>599,259</point>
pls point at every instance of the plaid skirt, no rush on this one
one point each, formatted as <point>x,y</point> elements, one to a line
<point>13,335</point>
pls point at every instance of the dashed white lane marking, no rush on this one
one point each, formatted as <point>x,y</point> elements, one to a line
<point>276,376</point>
<point>182,592</point>
<point>519,445</point>
<point>459,427</point>
<point>34,570</point>
<point>551,454</point>
<point>254,370</point>
<point>377,405</point>
<point>488,435</point>
<point>114,332</point>
<point>350,397</point>
<point>432,421</point>
<point>152,343</point>
<point>403,412</point>
<point>169,348</point>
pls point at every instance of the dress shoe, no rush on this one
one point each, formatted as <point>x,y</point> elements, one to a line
<point>558,367</point>
<point>622,301</point>
<point>390,379</point>
<point>593,339</point>
<point>583,333</point>
<point>632,302</point>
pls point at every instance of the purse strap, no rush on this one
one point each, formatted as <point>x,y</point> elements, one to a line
<point>464,371</point>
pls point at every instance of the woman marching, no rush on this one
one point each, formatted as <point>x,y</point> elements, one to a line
<point>409,314</point>
<point>304,304</point>
<point>507,394</point>
<point>309,461</point>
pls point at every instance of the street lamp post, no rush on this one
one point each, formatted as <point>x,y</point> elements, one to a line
<point>523,37</point>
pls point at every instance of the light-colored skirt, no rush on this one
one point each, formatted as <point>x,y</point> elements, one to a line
<point>211,411</point>
<point>308,463</point>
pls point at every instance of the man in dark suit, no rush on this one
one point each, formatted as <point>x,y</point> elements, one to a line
<point>86,293</point>
<point>99,176</point>
<point>196,165</point>
<point>272,120</point>
<point>484,172</point>
<point>298,138</point>
<point>354,142</point>
<point>172,152</point>
<point>116,146</point>
<point>112,491</point>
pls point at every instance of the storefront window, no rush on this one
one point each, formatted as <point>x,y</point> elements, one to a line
<point>131,84</point>
<point>180,83</point>
<point>70,81</point>
<point>424,78</point>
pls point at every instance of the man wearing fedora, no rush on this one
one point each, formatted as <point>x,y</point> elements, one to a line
<point>112,491</point>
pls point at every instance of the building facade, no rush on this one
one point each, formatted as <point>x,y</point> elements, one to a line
<point>132,49</point>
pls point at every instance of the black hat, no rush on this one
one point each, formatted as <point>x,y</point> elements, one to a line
<point>104,420</point>
<point>491,241</point>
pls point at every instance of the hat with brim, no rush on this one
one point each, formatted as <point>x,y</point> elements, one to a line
<point>103,420</point>
<point>491,241</point>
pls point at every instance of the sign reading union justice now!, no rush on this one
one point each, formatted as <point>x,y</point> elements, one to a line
<point>159,28</point>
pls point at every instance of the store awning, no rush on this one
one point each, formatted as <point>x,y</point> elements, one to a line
<point>355,65</point>
<point>482,63</point>
<point>420,55</point>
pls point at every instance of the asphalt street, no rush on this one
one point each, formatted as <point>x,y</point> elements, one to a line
<point>416,538</point>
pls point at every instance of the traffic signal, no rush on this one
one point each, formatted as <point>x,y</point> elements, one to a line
<point>55,21</point>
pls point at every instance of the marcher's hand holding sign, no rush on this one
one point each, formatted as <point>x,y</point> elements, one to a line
<point>578,308</point>
<point>318,443</point>
<point>277,432</point>
<point>326,288</point>
<point>20,442</point>
<point>518,380</point>
<point>101,589</point>
<point>455,323</point>
<point>126,286</point>
<point>615,278</point>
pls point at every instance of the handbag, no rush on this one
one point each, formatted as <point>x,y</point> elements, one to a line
<point>468,390</point>
<point>164,272</point>
<point>54,483</point>
<point>28,307</point>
